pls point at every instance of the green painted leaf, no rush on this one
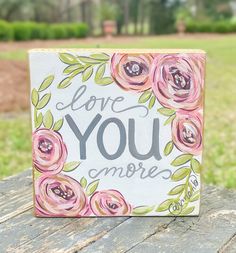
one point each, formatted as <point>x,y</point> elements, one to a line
<point>170,119</point>
<point>39,120</point>
<point>88,60</point>
<point>187,211</point>
<point>195,165</point>
<point>142,210</point>
<point>57,126</point>
<point>71,68</point>
<point>43,101</point>
<point>182,159</point>
<point>166,111</point>
<point>87,73</point>
<point>194,198</point>
<point>83,182</point>
<point>92,187</point>
<point>100,57</point>
<point>104,81</point>
<point>177,189</point>
<point>48,119</point>
<point>168,148</point>
<point>34,97</point>
<point>100,72</point>
<point>68,58</point>
<point>76,72</point>
<point>64,83</point>
<point>46,83</point>
<point>180,173</point>
<point>35,117</point>
<point>71,166</point>
<point>164,206</point>
<point>145,96</point>
<point>152,102</point>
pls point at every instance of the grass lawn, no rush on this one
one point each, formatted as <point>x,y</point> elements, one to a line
<point>220,117</point>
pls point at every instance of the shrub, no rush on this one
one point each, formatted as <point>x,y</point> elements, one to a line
<point>22,30</point>
<point>221,27</point>
<point>58,31</point>
<point>6,31</point>
<point>71,30</point>
<point>213,26</point>
<point>32,30</point>
<point>82,30</point>
<point>38,30</point>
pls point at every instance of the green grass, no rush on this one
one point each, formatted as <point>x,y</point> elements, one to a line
<point>220,113</point>
<point>15,145</point>
<point>13,55</point>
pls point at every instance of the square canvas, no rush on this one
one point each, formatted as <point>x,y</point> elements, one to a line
<point>117,132</point>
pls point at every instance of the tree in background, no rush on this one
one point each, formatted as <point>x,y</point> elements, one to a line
<point>162,16</point>
<point>132,16</point>
<point>208,10</point>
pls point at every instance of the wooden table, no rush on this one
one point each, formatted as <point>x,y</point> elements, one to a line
<point>213,231</point>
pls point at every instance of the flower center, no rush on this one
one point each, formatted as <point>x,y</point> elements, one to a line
<point>180,80</point>
<point>189,134</point>
<point>45,146</point>
<point>133,68</point>
<point>112,205</point>
<point>65,194</point>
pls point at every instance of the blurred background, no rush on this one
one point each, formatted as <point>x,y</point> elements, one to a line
<point>205,24</point>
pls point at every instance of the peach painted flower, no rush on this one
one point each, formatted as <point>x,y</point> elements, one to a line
<point>49,151</point>
<point>178,79</point>
<point>60,196</point>
<point>131,71</point>
<point>109,203</point>
<point>187,131</point>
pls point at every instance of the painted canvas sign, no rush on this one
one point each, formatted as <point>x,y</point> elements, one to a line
<point>117,132</point>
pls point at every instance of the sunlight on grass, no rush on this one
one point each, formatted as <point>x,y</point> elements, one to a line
<point>15,144</point>
<point>220,117</point>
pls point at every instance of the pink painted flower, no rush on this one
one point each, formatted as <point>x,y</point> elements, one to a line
<point>49,151</point>
<point>131,71</point>
<point>60,196</point>
<point>109,203</point>
<point>178,79</point>
<point>187,131</point>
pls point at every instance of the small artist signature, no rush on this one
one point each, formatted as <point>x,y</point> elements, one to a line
<point>176,208</point>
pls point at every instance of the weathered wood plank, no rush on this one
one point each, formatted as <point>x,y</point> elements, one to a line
<point>73,237</point>
<point>15,195</point>
<point>129,233</point>
<point>25,227</point>
<point>213,231</point>
<point>15,183</point>
<point>229,246</point>
<point>207,233</point>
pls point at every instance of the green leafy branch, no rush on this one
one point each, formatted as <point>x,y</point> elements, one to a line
<point>39,101</point>
<point>170,113</point>
<point>142,210</point>
<point>182,192</point>
<point>86,66</point>
<point>89,188</point>
<point>147,96</point>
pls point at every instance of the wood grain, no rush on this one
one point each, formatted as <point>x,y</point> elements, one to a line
<point>213,231</point>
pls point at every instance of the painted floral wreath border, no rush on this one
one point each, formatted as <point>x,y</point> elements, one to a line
<point>187,165</point>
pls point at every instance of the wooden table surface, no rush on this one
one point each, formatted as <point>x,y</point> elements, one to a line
<point>213,231</point>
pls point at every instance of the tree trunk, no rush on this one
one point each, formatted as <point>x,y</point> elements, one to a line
<point>68,10</point>
<point>142,16</point>
<point>90,16</point>
<point>83,11</point>
<point>136,14</point>
<point>126,16</point>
